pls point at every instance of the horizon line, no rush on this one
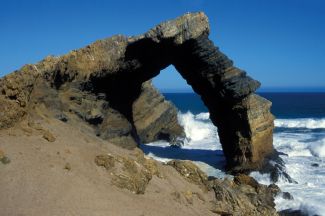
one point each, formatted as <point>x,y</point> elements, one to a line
<point>261,90</point>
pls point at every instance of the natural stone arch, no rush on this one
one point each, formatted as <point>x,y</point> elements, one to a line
<point>244,121</point>
<point>111,77</point>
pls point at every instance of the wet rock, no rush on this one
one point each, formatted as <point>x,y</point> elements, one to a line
<point>274,165</point>
<point>290,212</point>
<point>315,165</point>
<point>274,189</point>
<point>287,196</point>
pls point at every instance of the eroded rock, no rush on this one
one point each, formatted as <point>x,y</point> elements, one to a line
<point>243,199</point>
<point>190,172</point>
<point>129,173</point>
<point>152,113</point>
<point>241,196</point>
<point>105,86</point>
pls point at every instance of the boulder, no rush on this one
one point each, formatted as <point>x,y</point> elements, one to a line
<point>133,174</point>
<point>190,172</point>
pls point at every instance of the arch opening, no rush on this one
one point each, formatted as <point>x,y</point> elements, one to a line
<point>201,142</point>
<point>225,90</point>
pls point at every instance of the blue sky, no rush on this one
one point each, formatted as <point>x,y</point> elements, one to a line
<point>279,42</point>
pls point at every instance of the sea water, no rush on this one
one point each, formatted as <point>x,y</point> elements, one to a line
<point>299,133</point>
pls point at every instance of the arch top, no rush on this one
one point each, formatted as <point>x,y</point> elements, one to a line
<point>179,30</point>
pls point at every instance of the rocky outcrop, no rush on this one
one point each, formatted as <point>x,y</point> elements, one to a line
<point>241,196</point>
<point>105,86</point>
<point>238,198</point>
<point>190,172</point>
<point>128,173</point>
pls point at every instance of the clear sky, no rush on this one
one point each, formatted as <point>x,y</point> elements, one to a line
<point>279,42</point>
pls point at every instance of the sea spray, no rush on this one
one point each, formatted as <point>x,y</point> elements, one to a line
<point>305,160</point>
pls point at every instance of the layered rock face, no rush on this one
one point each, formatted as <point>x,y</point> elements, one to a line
<point>106,87</point>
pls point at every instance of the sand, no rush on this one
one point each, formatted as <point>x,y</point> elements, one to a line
<point>60,177</point>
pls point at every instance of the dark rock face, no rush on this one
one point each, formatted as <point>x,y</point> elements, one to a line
<point>289,212</point>
<point>106,86</point>
<point>154,117</point>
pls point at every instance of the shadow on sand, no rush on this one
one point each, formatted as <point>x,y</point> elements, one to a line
<point>214,158</point>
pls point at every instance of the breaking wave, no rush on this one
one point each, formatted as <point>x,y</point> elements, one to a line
<point>300,123</point>
<point>304,160</point>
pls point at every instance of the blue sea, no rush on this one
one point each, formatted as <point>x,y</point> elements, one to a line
<point>299,133</point>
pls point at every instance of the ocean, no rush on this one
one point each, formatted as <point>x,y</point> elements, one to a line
<point>299,133</point>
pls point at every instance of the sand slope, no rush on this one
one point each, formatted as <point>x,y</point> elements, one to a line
<point>61,178</point>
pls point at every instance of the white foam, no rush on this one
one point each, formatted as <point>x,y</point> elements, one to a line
<point>318,148</point>
<point>300,123</point>
<point>201,139</point>
<point>292,144</point>
<point>303,150</point>
<point>196,129</point>
<point>203,116</point>
<point>200,132</point>
<point>309,192</point>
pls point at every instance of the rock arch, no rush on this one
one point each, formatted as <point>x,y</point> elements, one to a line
<point>107,84</point>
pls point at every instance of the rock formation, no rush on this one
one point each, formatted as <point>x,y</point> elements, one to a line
<point>105,88</point>
<point>241,196</point>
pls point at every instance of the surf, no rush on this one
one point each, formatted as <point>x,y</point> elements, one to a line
<point>304,156</point>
